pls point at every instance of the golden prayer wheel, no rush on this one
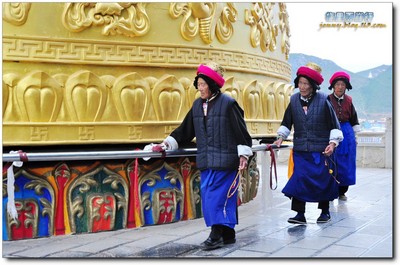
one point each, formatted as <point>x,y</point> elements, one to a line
<point>77,75</point>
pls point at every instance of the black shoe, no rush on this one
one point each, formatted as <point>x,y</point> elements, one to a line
<point>324,218</point>
<point>229,241</point>
<point>298,219</point>
<point>343,197</point>
<point>228,235</point>
<point>210,243</point>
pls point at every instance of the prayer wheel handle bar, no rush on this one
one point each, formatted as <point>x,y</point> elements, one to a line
<point>104,155</point>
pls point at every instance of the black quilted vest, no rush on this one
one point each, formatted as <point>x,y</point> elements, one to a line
<point>311,131</point>
<point>216,145</point>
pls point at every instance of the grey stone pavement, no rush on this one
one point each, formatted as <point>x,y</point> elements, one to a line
<point>361,227</point>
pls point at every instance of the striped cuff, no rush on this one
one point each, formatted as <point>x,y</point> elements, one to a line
<point>244,150</point>
<point>171,143</point>
<point>283,131</point>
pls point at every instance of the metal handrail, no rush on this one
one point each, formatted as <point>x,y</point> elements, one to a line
<point>103,155</point>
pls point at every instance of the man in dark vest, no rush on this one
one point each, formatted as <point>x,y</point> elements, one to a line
<point>316,135</point>
<point>223,148</point>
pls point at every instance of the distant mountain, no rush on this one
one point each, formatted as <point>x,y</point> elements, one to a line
<point>372,91</point>
<point>379,92</point>
<point>374,72</point>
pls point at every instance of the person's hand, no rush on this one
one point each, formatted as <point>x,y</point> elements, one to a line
<point>154,148</point>
<point>159,148</point>
<point>243,162</point>
<point>278,142</point>
<point>329,149</point>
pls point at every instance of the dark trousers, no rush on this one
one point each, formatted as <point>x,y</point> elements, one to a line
<point>343,189</point>
<point>223,231</point>
<point>300,206</point>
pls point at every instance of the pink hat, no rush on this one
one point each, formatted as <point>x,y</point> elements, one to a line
<point>211,73</point>
<point>310,73</point>
<point>340,75</point>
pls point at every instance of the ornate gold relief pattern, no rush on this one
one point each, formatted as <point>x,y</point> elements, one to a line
<point>16,13</point>
<point>72,108</point>
<point>285,29</point>
<point>168,98</point>
<point>252,100</point>
<point>225,27</point>
<point>129,19</point>
<point>190,93</point>
<point>207,19</point>
<point>86,96</point>
<point>5,91</point>
<point>65,51</point>
<point>268,99</point>
<point>39,97</point>
<point>263,31</point>
<point>39,134</point>
<point>135,132</point>
<point>280,99</point>
<point>131,95</point>
<point>232,88</point>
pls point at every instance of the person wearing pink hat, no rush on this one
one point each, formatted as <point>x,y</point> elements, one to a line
<point>223,148</point>
<point>316,135</point>
<point>348,118</point>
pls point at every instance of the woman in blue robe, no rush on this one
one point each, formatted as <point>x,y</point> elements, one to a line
<point>223,148</point>
<point>316,135</point>
<point>348,118</point>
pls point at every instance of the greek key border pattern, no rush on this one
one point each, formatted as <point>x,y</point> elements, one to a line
<point>38,49</point>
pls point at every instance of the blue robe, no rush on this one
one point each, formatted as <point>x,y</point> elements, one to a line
<point>216,206</point>
<point>346,156</point>
<point>311,180</point>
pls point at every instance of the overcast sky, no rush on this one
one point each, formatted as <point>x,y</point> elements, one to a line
<point>352,49</point>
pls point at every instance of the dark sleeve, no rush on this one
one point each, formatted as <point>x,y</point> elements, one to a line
<point>239,125</point>
<point>353,116</point>
<point>185,132</point>
<point>331,116</point>
<point>287,120</point>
